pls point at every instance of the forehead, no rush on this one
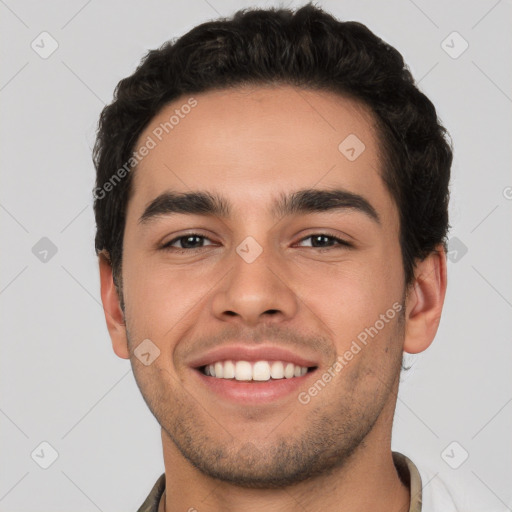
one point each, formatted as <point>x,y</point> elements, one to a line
<point>254,143</point>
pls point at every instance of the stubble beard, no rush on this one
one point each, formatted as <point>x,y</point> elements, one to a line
<point>327,439</point>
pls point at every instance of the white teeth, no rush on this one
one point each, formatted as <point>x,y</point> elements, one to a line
<point>277,370</point>
<point>243,370</point>
<point>229,370</point>
<point>261,371</point>
<point>289,370</point>
<point>219,369</point>
<point>258,371</point>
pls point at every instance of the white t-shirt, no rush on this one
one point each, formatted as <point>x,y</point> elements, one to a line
<point>457,495</point>
<point>435,495</point>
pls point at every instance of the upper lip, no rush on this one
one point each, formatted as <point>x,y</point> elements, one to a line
<point>252,354</point>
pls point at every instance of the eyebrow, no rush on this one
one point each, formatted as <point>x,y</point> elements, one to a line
<point>297,202</point>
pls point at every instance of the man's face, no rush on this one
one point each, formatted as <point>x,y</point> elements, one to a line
<point>220,295</point>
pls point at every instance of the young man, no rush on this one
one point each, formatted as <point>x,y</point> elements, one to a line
<point>271,208</point>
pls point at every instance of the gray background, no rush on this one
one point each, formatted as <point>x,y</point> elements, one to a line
<point>60,380</point>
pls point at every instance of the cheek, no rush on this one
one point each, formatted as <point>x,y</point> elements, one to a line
<point>356,290</point>
<point>356,300</point>
<point>158,297</point>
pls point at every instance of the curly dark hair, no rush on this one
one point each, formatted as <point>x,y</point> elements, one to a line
<point>306,48</point>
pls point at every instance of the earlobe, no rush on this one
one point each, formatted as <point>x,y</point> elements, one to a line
<point>424,302</point>
<point>111,306</point>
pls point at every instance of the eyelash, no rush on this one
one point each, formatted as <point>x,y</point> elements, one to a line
<point>167,246</point>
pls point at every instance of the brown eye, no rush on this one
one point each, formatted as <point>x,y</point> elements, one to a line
<point>324,240</point>
<point>189,241</point>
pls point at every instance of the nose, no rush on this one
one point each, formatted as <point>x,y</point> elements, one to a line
<point>255,292</point>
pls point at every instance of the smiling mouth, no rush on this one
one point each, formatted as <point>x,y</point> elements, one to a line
<point>257,371</point>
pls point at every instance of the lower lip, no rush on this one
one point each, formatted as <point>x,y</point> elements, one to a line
<point>251,392</point>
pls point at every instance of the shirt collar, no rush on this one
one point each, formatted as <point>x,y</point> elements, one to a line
<point>410,476</point>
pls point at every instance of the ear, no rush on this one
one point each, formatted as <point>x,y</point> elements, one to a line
<point>424,303</point>
<point>112,308</point>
